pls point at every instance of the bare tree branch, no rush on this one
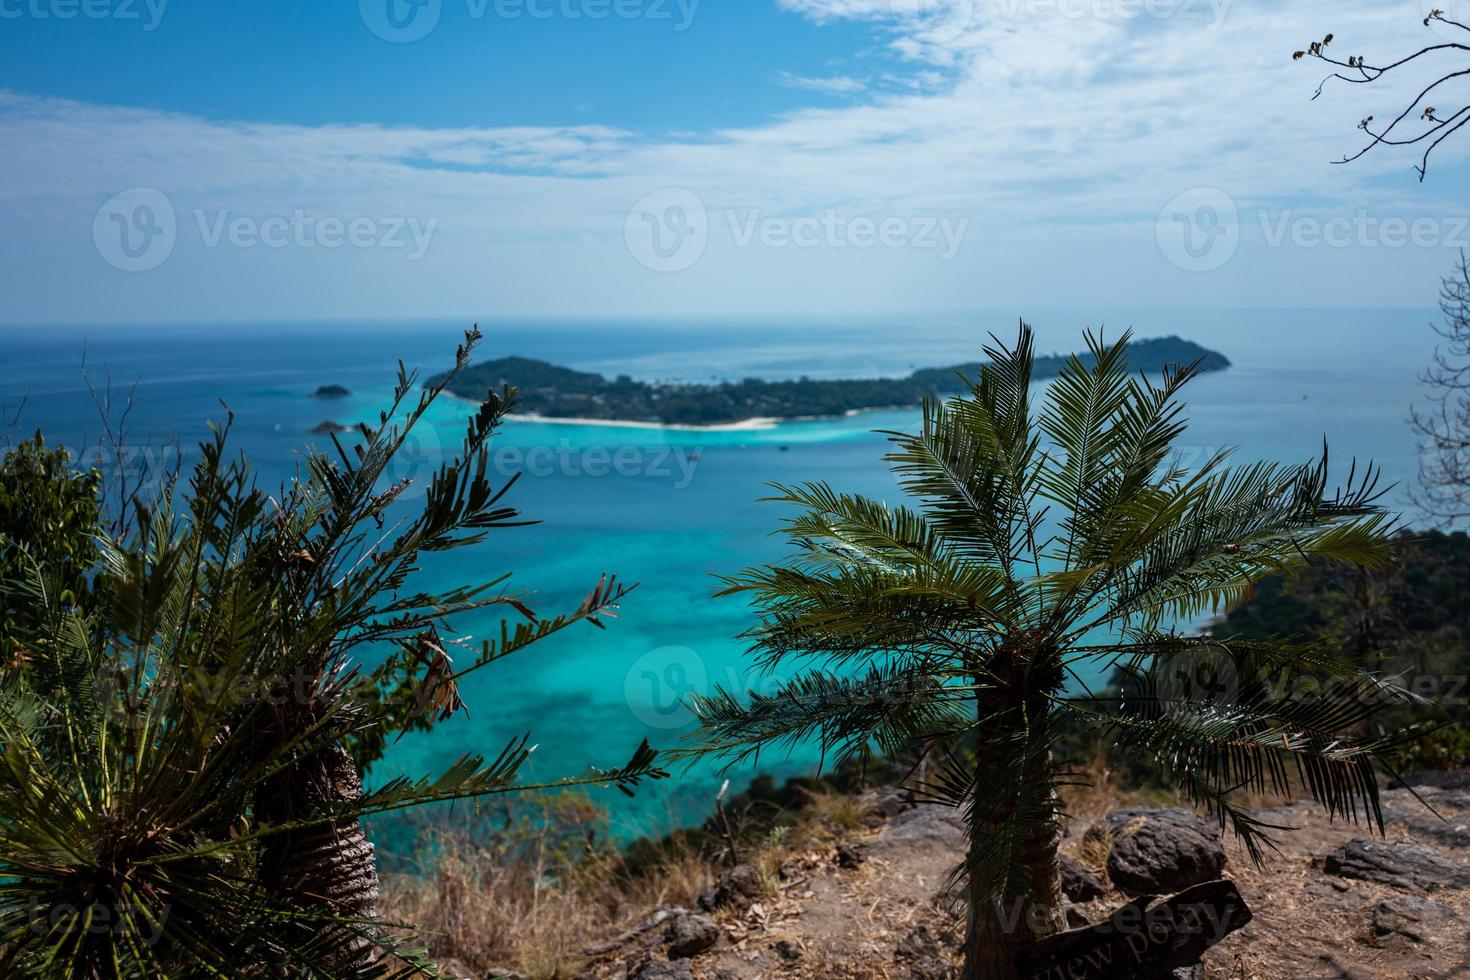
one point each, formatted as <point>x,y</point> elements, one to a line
<point>1443,426</point>
<point>1356,70</point>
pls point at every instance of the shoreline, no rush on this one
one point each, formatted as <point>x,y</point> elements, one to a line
<point>759,423</point>
<point>745,425</point>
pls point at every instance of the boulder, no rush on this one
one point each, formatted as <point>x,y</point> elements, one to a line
<point>1416,919</point>
<point>739,886</point>
<point>1079,884</point>
<point>1142,940</point>
<point>929,823</point>
<point>690,935</point>
<point>1401,864</point>
<point>888,801</point>
<point>1156,852</point>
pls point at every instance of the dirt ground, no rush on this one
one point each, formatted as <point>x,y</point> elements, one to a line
<point>876,908</point>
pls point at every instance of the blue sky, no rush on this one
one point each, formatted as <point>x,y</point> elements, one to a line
<point>680,65</point>
<point>289,160</point>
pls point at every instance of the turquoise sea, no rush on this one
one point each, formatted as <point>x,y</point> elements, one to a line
<point>669,509</point>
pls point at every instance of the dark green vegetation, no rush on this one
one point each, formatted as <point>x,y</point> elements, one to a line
<point>956,624</point>
<point>1409,620</point>
<point>48,515</point>
<point>179,796</point>
<point>558,392</point>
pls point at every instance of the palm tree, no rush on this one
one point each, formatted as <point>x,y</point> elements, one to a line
<point>1045,547</point>
<point>177,795</point>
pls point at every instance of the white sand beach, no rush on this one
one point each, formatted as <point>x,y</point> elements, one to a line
<point>744,425</point>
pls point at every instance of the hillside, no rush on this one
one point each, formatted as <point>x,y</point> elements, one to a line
<point>855,889</point>
<point>557,392</point>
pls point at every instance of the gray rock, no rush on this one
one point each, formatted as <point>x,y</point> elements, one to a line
<point>1180,929</point>
<point>889,801</point>
<point>1444,829</point>
<point>1156,852</point>
<point>1417,919</point>
<point>1458,779</point>
<point>666,970</point>
<point>1399,864</point>
<point>1080,884</point>
<point>690,935</point>
<point>738,886</point>
<point>929,823</point>
<point>788,950</point>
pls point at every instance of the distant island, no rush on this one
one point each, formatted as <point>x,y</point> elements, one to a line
<point>552,393</point>
<point>331,391</point>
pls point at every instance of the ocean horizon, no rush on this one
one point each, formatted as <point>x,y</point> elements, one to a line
<point>668,508</point>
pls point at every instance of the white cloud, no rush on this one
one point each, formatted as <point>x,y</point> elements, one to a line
<point>1058,128</point>
<point>831,85</point>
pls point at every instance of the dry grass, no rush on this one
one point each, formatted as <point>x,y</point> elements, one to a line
<point>1099,790</point>
<point>528,902</point>
<point>533,900</point>
<point>827,813</point>
<point>535,894</point>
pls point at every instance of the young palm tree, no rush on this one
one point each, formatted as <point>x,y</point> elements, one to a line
<point>1044,547</point>
<point>177,798</point>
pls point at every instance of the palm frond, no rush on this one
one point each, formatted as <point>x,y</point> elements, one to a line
<point>889,706</point>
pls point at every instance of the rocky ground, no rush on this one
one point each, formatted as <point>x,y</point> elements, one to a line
<point>1336,901</point>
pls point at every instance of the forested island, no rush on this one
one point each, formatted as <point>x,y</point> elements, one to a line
<point>550,391</point>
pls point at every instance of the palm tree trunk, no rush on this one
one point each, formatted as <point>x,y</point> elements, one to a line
<point>997,932</point>
<point>329,868</point>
